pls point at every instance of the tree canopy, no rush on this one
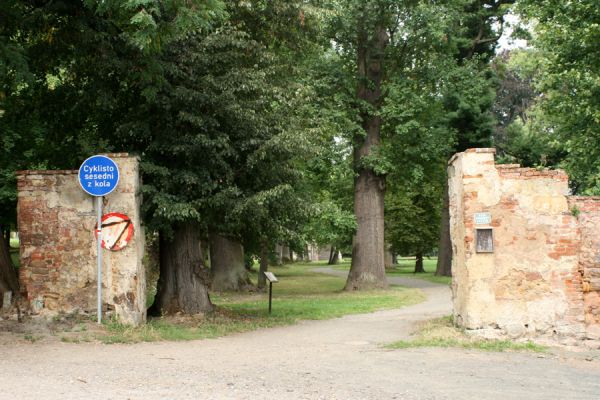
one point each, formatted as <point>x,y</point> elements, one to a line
<point>294,122</point>
<point>565,39</point>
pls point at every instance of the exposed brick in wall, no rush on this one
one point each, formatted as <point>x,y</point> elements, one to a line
<point>587,211</point>
<point>515,171</point>
<point>56,221</point>
<point>543,277</point>
<point>50,240</point>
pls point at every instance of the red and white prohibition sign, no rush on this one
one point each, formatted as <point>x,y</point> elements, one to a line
<point>117,231</point>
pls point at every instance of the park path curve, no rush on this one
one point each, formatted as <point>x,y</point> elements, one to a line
<point>340,358</point>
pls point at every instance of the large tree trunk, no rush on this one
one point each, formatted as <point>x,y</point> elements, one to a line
<point>388,257</point>
<point>334,256</point>
<point>419,263</point>
<point>278,254</point>
<point>9,281</point>
<point>368,267</point>
<point>444,261</point>
<point>227,264</point>
<point>183,281</point>
<point>264,264</point>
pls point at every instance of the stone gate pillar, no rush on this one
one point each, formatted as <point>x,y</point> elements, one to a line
<point>516,246</point>
<point>56,221</point>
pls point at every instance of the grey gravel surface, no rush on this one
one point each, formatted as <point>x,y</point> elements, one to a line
<point>335,359</point>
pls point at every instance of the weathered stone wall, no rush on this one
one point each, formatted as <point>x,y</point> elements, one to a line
<point>587,210</point>
<point>56,221</point>
<point>543,275</point>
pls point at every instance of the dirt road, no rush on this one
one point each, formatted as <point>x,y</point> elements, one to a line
<point>335,359</point>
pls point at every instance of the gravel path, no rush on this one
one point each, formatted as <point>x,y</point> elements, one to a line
<point>336,359</point>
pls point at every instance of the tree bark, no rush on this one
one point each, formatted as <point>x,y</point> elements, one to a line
<point>205,251</point>
<point>278,254</point>
<point>368,267</point>
<point>285,252</point>
<point>9,282</point>
<point>388,257</point>
<point>419,263</point>
<point>227,264</point>
<point>334,256</point>
<point>183,282</point>
<point>444,261</point>
<point>264,264</point>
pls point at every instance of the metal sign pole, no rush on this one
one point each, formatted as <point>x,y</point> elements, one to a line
<point>99,176</point>
<point>270,295</point>
<point>99,231</point>
<point>271,278</point>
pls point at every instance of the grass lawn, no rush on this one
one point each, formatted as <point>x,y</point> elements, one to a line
<point>406,267</point>
<point>299,295</point>
<point>440,332</point>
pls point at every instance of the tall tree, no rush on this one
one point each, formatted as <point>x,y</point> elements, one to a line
<point>368,268</point>
<point>90,64</point>
<point>273,204</point>
<point>362,36</point>
<point>204,133</point>
<point>417,151</point>
<point>381,42</point>
<point>223,137</point>
<point>477,30</point>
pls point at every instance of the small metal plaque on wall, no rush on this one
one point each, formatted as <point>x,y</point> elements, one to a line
<point>483,218</point>
<point>484,241</point>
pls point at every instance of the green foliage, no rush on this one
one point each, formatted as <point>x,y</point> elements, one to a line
<point>150,25</point>
<point>245,114</point>
<point>330,225</point>
<point>468,102</point>
<point>413,220</point>
<point>200,89</point>
<point>566,38</point>
<point>519,135</point>
<point>437,97</point>
<point>70,71</point>
<point>208,129</point>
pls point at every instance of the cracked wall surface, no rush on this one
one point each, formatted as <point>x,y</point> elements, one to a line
<point>543,276</point>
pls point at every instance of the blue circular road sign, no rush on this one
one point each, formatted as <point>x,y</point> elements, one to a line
<point>98,175</point>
